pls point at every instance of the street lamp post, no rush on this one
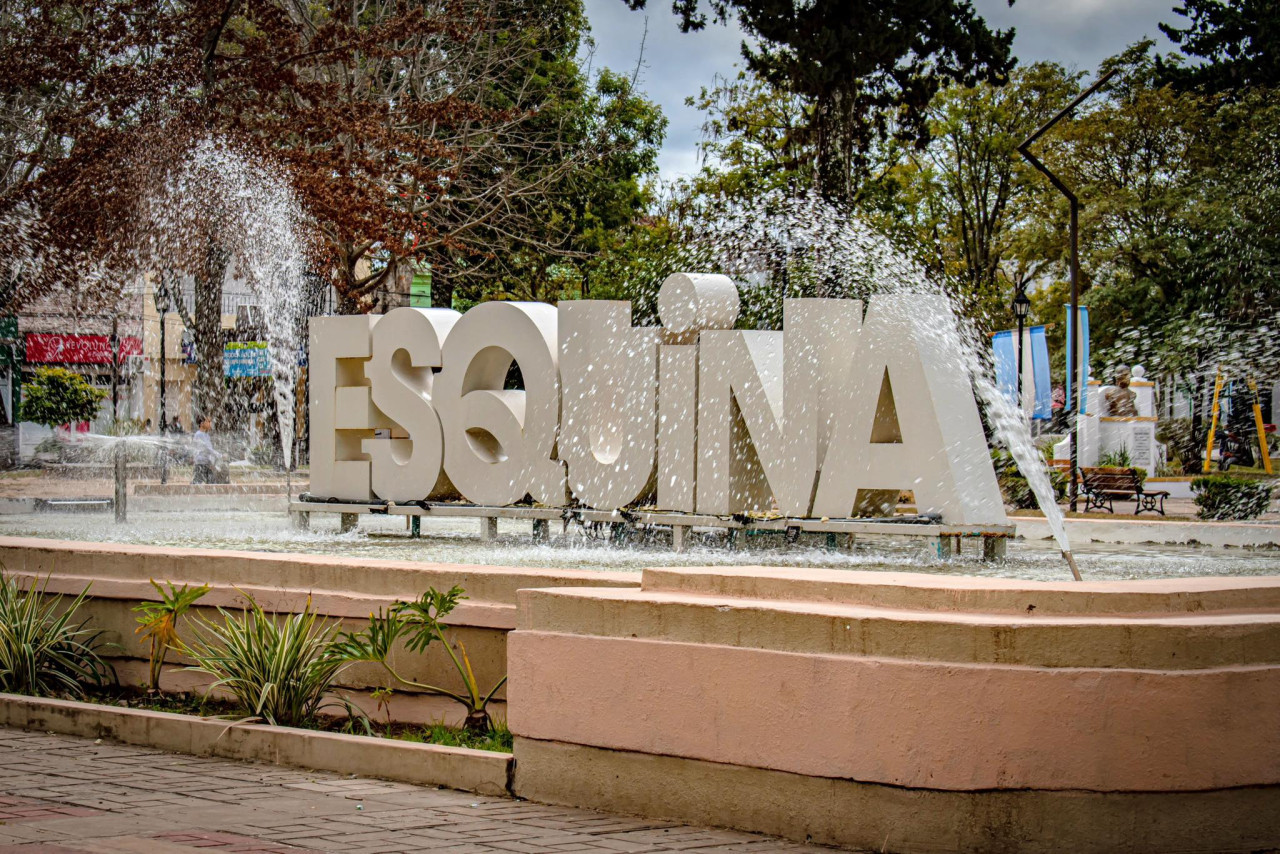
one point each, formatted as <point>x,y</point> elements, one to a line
<point>1073,367</point>
<point>162,306</point>
<point>1021,309</point>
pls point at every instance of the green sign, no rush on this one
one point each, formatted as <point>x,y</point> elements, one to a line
<point>420,290</point>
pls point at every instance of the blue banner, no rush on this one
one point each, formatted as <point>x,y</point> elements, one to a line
<point>1006,364</point>
<point>1040,372</point>
<point>1084,357</point>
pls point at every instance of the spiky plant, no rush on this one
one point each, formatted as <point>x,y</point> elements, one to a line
<point>279,667</point>
<point>44,650</point>
<point>420,622</point>
<point>158,623</point>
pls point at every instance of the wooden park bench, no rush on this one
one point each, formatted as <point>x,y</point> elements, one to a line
<point>1102,485</point>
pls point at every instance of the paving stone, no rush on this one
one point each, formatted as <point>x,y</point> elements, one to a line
<point>65,795</point>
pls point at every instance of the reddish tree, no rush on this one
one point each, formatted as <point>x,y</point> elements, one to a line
<point>405,128</point>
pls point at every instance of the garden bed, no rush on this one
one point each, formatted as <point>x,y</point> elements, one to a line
<point>399,758</point>
<point>498,739</point>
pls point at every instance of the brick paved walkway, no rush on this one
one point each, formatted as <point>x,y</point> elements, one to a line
<point>66,795</point>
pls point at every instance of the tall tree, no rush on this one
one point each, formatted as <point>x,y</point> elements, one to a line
<point>1237,41</point>
<point>866,69</point>
<point>971,195</point>
<point>411,131</point>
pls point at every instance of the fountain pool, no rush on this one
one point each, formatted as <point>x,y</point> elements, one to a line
<point>458,541</point>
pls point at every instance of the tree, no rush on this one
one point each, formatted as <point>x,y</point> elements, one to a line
<point>971,195</point>
<point>866,70</point>
<point>1238,41</point>
<point>58,396</point>
<point>614,134</point>
<point>410,132</point>
<point>753,138</point>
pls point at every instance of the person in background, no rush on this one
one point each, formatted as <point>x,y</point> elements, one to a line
<point>205,457</point>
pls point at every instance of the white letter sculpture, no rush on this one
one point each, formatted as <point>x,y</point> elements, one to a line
<point>834,416</point>
<point>609,386</point>
<point>499,443</point>
<point>908,419</point>
<point>406,347</point>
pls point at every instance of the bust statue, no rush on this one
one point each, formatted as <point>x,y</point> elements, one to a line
<point>1121,400</point>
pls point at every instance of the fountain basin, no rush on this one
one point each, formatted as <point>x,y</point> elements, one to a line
<point>343,589</point>
<point>906,712</point>
<point>893,711</point>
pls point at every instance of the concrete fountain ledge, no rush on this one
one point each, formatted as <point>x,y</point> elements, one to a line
<point>894,712</point>
<point>337,586</point>
<point>482,771</point>
<point>903,712</point>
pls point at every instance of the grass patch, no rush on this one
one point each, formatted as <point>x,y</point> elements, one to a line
<point>498,738</point>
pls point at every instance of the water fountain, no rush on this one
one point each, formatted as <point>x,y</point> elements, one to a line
<point>774,247</point>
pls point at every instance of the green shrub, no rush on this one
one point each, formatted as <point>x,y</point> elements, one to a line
<point>1226,497</point>
<point>44,652</point>
<point>158,623</point>
<point>1014,487</point>
<point>280,668</point>
<point>1119,459</point>
<point>57,396</point>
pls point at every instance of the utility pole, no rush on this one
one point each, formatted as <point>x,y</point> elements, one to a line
<point>1073,331</point>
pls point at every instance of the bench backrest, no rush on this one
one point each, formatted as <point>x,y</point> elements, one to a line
<point>1111,480</point>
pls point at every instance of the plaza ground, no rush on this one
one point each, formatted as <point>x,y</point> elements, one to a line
<point>66,795</point>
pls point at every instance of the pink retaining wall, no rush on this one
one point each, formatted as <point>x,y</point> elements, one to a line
<point>903,723</point>
<point>1019,716</point>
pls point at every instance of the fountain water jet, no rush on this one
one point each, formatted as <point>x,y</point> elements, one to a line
<point>780,246</point>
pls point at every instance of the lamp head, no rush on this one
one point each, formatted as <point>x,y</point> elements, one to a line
<point>1021,305</point>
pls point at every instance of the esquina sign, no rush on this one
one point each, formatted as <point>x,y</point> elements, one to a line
<point>833,416</point>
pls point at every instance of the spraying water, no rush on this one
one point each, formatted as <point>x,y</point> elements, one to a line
<point>779,246</point>
<point>226,197</point>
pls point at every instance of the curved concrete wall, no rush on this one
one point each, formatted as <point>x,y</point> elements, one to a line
<point>1025,716</point>
<point>342,588</point>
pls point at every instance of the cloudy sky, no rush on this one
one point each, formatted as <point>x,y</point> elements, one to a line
<point>1076,33</point>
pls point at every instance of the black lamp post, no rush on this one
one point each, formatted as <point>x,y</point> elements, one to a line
<point>161,295</point>
<point>1021,309</point>
<point>1073,357</point>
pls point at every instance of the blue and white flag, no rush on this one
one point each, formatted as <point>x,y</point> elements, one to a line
<point>1082,341</point>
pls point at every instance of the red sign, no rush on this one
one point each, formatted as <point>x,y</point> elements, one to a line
<point>55,348</point>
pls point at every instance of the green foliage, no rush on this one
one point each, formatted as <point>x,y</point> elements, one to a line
<point>864,83</point>
<point>752,132</point>
<point>279,667</point>
<point>1119,458</point>
<point>1226,497</point>
<point>1239,41</point>
<point>1178,438</point>
<point>969,192</point>
<point>58,396</point>
<point>44,652</point>
<point>419,624</point>
<point>158,623</point>
<point>1013,485</point>
<point>497,738</point>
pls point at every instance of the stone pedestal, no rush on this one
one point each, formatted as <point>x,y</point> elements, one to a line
<point>1102,434</point>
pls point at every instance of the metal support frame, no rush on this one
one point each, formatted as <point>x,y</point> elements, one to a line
<point>1072,349</point>
<point>623,527</point>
